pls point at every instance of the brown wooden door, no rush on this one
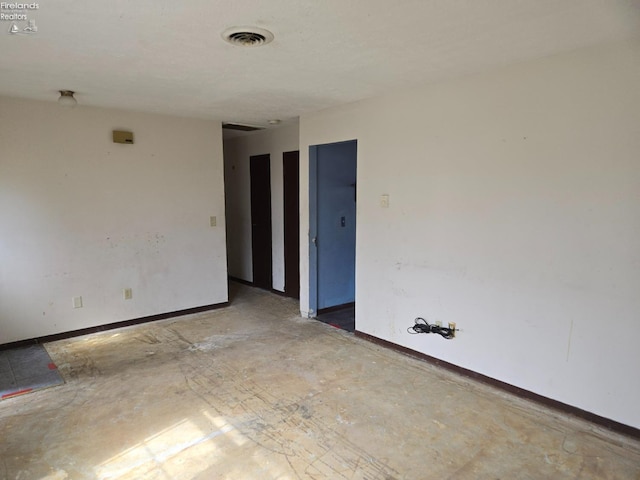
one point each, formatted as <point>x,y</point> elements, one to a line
<point>291,182</point>
<point>260,172</point>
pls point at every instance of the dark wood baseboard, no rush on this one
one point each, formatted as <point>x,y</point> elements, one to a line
<point>520,392</point>
<point>335,308</point>
<point>240,280</point>
<point>111,326</point>
<point>251,284</point>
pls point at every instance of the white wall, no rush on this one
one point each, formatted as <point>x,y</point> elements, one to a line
<point>237,152</point>
<point>82,216</point>
<point>514,212</point>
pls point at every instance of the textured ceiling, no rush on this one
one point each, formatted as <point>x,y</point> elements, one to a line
<point>168,56</point>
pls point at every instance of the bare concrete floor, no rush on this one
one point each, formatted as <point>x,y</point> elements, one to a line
<point>255,392</point>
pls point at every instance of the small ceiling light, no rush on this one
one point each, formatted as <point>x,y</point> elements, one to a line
<point>66,99</point>
<point>247,36</point>
<point>275,121</point>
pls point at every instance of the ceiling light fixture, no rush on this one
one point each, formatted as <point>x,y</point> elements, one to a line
<point>66,99</point>
<point>247,36</point>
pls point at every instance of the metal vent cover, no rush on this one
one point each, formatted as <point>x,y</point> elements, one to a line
<point>247,36</point>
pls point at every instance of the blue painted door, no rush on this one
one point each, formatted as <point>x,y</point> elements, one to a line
<point>333,224</point>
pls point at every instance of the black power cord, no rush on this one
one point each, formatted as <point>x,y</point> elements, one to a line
<point>422,326</point>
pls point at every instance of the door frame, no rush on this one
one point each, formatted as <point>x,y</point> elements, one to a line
<point>265,251</point>
<point>291,214</point>
<point>313,223</point>
<point>313,230</point>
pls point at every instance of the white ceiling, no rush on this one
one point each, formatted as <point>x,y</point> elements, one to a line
<point>168,56</point>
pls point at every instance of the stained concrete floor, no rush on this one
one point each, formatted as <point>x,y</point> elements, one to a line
<point>253,391</point>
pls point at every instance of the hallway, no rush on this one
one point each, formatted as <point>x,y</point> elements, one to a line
<point>253,391</point>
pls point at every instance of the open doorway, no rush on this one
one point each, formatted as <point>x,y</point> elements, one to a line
<point>332,228</point>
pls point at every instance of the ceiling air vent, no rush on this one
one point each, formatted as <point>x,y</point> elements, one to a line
<point>247,36</point>
<point>242,128</point>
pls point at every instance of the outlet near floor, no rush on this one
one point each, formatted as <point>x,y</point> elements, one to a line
<point>452,327</point>
<point>128,293</point>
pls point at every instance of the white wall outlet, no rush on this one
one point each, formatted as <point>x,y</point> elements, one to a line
<point>128,293</point>
<point>213,221</point>
<point>77,302</point>
<point>452,326</point>
<point>384,201</point>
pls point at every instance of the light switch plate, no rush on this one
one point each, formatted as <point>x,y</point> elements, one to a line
<point>213,221</point>
<point>384,201</point>
<point>77,302</point>
<point>122,137</point>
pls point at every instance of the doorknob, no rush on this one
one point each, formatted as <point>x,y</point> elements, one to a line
<point>314,240</point>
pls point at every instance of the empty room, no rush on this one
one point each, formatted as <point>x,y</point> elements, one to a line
<point>320,240</point>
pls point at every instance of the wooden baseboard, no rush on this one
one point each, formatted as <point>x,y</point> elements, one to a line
<point>520,392</point>
<point>240,280</point>
<point>336,308</point>
<point>111,326</point>
<point>251,284</point>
